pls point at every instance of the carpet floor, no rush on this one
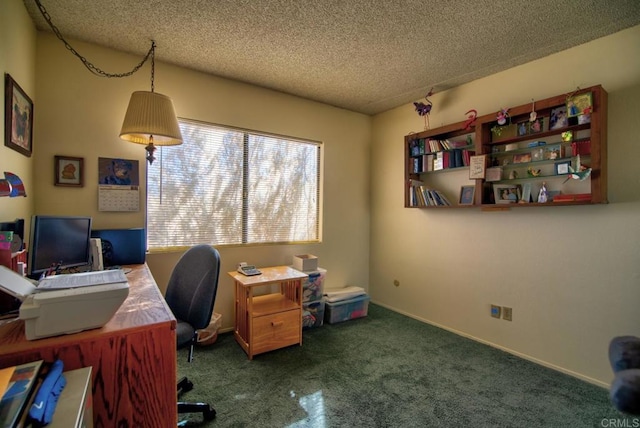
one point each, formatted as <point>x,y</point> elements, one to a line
<point>387,370</point>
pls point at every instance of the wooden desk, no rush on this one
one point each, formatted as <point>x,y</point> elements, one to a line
<point>271,320</point>
<point>133,357</point>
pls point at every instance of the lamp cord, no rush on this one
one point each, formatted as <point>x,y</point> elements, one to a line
<point>92,68</point>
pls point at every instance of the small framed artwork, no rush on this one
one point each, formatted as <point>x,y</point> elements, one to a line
<point>18,121</point>
<point>466,195</point>
<point>553,151</point>
<point>537,154</point>
<point>581,104</point>
<point>562,167</point>
<point>494,173</point>
<point>522,158</point>
<point>536,126</point>
<point>523,128</point>
<point>505,193</point>
<point>477,165</point>
<point>558,118</point>
<point>69,171</point>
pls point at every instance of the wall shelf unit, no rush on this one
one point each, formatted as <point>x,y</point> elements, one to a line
<point>560,158</point>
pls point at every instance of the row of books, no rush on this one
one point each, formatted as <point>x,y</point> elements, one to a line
<point>30,393</point>
<point>455,158</point>
<point>422,196</point>
<point>18,385</point>
<point>423,146</point>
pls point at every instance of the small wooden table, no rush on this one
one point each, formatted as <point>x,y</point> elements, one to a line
<point>268,309</point>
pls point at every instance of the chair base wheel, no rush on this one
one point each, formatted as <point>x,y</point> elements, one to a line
<point>209,414</point>
<point>184,385</point>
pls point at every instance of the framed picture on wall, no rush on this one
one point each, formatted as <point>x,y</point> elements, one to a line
<point>466,195</point>
<point>18,117</point>
<point>69,171</point>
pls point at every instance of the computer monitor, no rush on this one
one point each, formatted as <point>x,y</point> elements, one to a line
<point>61,241</point>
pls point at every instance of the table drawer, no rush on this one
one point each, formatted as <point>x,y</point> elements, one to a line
<point>276,331</point>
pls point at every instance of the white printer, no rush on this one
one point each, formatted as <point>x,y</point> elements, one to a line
<point>66,303</point>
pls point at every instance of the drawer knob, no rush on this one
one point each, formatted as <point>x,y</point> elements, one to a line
<point>277,323</point>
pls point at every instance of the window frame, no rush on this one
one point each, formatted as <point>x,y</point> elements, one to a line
<point>247,133</point>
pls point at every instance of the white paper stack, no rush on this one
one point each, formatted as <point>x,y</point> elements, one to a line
<point>337,294</point>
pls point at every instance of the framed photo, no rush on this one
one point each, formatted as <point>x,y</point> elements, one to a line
<point>536,126</point>
<point>558,118</point>
<point>505,193</point>
<point>523,128</point>
<point>18,120</point>
<point>562,167</point>
<point>466,195</point>
<point>477,165</point>
<point>494,173</point>
<point>522,158</point>
<point>69,171</point>
<point>553,151</point>
<point>579,105</point>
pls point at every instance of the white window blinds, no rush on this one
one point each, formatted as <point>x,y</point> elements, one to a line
<point>227,186</point>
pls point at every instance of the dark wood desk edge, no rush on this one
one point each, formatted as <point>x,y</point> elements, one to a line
<point>12,335</point>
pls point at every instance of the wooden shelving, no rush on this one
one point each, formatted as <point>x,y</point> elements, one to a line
<point>524,152</point>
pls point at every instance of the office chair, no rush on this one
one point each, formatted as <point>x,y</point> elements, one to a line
<point>191,293</point>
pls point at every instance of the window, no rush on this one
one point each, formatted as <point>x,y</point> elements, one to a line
<point>228,186</point>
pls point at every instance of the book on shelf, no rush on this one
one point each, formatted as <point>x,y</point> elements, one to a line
<point>583,197</point>
<point>422,196</point>
<point>18,393</point>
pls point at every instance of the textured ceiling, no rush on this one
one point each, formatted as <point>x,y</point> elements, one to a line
<point>362,55</point>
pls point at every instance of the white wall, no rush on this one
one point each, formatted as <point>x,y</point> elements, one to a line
<point>17,57</point>
<point>80,115</point>
<point>571,274</point>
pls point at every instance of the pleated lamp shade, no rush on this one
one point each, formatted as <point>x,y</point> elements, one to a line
<point>150,113</point>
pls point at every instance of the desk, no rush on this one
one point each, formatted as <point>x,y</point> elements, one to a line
<point>271,320</point>
<point>133,357</point>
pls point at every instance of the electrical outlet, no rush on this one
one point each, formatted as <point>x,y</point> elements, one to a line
<point>507,313</point>
<point>495,311</point>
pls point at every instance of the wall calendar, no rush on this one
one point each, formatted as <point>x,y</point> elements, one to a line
<point>118,185</point>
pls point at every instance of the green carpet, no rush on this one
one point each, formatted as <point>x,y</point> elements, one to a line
<point>387,370</point>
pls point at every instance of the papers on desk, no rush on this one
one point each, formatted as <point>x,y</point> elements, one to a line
<point>21,287</point>
<point>83,279</point>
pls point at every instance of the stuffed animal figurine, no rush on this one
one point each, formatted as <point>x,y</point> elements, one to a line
<point>624,356</point>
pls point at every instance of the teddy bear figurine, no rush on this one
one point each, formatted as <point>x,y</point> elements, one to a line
<point>624,356</point>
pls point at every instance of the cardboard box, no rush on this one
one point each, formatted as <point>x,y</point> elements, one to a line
<point>305,262</point>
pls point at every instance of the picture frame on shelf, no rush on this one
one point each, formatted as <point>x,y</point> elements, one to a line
<point>580,104</point>
<point>526,193</point>
<point>522,157</point>
<point>537,126</point>
<point>69,171</point>
<point>467,194</point>
<point>477,167</point>
<point>537,154</point>
<point>505,193</point>
<point>494,173</point>
<point>18,117</point>
<point>558,118</point>
<point>523,128</point>
<point>553,151</point>
<point>562,168</point>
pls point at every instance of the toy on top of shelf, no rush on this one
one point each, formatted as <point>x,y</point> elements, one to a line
<point>424,109</point>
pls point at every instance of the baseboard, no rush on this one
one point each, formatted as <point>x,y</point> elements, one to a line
<point>502,348</point>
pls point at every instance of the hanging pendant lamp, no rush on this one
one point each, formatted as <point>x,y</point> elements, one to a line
<point>151,119</point>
